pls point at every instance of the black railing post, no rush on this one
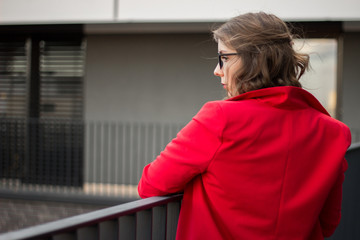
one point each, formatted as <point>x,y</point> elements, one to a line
<point>127,227</point>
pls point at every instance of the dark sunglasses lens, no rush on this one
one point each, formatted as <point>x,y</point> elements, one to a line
<point>220,62</point>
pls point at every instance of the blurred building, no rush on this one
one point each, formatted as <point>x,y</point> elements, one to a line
<point>92,90</point>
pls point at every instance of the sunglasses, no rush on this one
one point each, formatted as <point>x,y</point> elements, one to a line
<point>220,55</point>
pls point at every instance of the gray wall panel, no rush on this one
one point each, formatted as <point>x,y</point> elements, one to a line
<point>149,78</point>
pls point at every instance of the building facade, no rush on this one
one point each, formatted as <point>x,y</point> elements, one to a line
<point>95,86</point>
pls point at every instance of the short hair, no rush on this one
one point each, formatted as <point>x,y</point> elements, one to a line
<point>265,46</point>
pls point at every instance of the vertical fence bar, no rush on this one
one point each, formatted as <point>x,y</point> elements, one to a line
<point>101,155</point>
<point>39,161</point>
<point>124,150</point>
<point>142,150</point>
<point>154,142</point>
<point>107,142</point>
<point>116,148</point>
<point>147,154</point>
<point>2,159</point>
<point>172,216</point>
<point>108,230</point>
<point>6,148</point>
<point>143,225</point>
<point>131,158</point>
<point>162,140</point>
<point>87,152</point>
<point>69,146</point>
<point>78,162</point>
<point>112,158</point>
<point>139,154</point>
<point>93,150</point>
<point>64,236</point>
<point>158,223</point>
<point>127,227</point>
<point>96,156</point>
<point>55,150</point>
<point>98,159</point>
<point>62,149</point>
<point>88,233</point>
<point>105,160</point>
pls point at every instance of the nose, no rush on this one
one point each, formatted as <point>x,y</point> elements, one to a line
<point>218,72</point>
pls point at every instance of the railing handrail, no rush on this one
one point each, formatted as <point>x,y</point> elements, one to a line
<point>95,217</point>
<point>70,223</point>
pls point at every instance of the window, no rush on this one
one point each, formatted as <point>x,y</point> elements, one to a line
<point>41,109</point>
<point>13,73</point>
<point>61,84</point>
<point>320,80</point>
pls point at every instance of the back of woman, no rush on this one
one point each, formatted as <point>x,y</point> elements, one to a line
<point>267,162</point>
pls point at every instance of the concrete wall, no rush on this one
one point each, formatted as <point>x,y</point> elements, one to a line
<point>167,77</point>
<point>156,78</point>
<point>149,78</point>
<point>90,11</point>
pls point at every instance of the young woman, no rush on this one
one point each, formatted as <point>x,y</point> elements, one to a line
<point>266,163</point>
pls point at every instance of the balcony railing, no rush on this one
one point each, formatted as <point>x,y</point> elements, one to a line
<point>151,218</point>
<point>76,157</point>
<point>80,158</point>
<point>156,217</point>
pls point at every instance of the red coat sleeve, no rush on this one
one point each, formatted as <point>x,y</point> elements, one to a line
<point>331,213</point>
<point>186,156</point>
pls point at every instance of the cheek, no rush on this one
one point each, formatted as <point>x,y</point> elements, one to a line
<point>231,82</point>
<point>229,75</point>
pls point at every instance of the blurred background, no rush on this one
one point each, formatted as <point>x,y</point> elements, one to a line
<point>92,90</point>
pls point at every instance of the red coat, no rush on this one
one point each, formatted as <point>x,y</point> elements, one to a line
<point>267,164</point>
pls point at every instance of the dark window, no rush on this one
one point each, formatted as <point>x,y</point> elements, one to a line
<point>41,109</point>
<point>13,73</point>
<point>61,84</point>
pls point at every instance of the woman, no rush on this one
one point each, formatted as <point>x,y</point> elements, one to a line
<point>266,163</point>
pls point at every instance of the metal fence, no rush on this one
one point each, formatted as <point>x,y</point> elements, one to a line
<point>80,158</point>
<point>92,158</point>
<point>116,153</point>
<point>41,152</point>
<point>157,217</point>
<point>151,218</point>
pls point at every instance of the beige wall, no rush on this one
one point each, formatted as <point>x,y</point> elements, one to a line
<point>125,11</point>
<point>149,78</point>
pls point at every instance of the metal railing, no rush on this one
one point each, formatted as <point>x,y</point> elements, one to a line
<point>78,158</point>
<point>151,218</point>
<point>355,134</point>
<point>156,217</point>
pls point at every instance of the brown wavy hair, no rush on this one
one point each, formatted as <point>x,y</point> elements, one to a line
<point>265,45</point>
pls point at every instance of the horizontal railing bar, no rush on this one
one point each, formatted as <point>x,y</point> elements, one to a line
<point>354,146</point>
<point>90,218</point>
<point>74,197</point>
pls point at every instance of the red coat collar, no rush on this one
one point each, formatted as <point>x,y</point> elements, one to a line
<point>286,97</point>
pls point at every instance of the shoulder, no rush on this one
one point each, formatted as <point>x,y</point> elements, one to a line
<point>339,130</point>
<point>210,110</point>
<point>211,116</point>
<point>346,132</point>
